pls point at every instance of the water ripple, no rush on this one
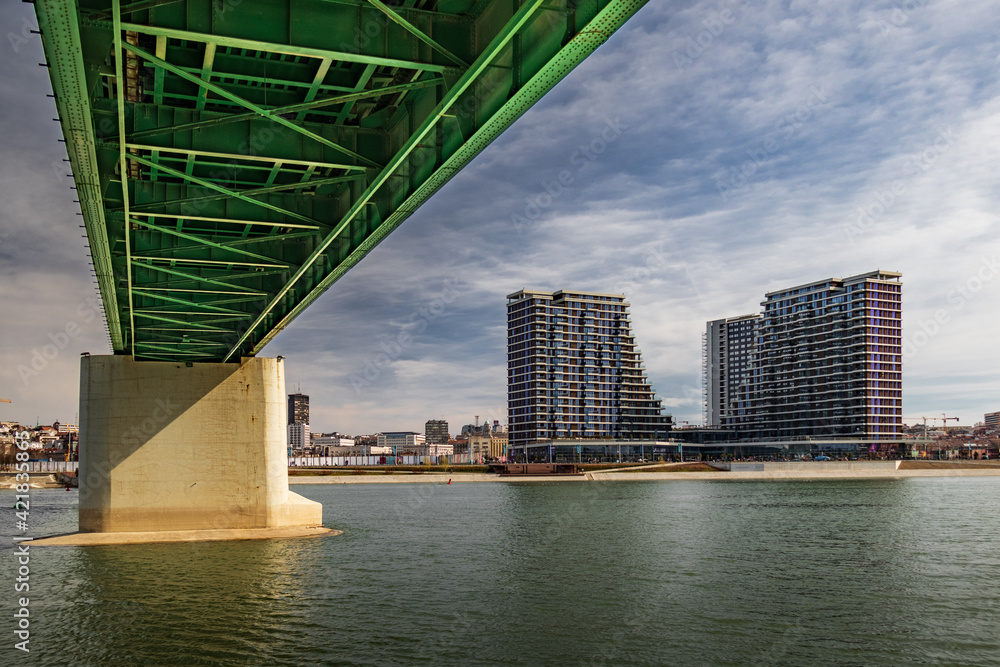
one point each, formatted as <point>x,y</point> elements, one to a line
<point>868,572</point>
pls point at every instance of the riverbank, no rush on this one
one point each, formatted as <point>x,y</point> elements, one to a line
<point>37,480</point>
<point>683,471</point>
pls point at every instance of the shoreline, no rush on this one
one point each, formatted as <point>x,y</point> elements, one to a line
<point>757,475</point>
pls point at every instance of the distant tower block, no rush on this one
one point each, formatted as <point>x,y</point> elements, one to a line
<point>436,432</point>
<point>298,409</point>
<point>174,446</point>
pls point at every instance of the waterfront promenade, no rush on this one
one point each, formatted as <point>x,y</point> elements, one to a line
<point>679,472</point>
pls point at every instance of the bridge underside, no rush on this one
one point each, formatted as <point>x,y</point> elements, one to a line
<point>234,158</point>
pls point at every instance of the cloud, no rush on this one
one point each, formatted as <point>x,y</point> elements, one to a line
<point>694,179</point>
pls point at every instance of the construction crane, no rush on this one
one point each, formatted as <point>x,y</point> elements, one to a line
<point>944,421</point>
<point>5,400</point>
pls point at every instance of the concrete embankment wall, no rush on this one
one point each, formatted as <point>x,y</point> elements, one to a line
<point>807,466</point>
<point>430,478</point>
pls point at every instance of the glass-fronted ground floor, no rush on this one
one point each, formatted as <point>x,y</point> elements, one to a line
<point>625,451</point>
<point>590,451</point>
<point>632,451</point>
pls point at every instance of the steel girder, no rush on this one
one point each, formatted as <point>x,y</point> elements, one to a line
<point>234,158</point>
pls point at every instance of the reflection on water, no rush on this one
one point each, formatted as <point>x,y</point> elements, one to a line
<point>716,573</point>
<point>212,602</point>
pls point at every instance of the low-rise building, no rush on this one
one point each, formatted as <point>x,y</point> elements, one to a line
<point>404,443</point>
<point>65,428</point>
<point>498,444</point>
<point>479,448</point>
<point>332,440</point>
<point>434,449</point>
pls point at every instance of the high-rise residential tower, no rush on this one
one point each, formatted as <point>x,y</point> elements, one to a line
<point>826,362</point>
<point>830,358</point>
<point>730,351</point>
<point>574,371</point>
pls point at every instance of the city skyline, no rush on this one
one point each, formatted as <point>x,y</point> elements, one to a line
<point>706,155</point>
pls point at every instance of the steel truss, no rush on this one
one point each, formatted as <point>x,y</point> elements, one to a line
<point>234,158</point>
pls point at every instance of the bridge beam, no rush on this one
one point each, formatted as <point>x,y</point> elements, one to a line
<point>190,125</point>
<point>175,446</point>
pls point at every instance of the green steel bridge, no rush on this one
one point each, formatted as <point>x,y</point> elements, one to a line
<point>234,158</point>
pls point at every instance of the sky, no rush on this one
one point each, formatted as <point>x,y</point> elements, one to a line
<point>711,152</point>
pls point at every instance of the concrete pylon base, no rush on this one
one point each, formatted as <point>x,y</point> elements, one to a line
<point>168,446</point>
<point>167,536</point>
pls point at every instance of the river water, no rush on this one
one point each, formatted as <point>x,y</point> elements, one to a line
<point>863,572</point>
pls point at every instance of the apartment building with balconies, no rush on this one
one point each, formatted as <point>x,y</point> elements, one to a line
<point>574,370</point>
<point>826,362</point>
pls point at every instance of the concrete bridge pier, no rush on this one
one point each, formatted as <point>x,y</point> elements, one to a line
<point>175,446</point>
